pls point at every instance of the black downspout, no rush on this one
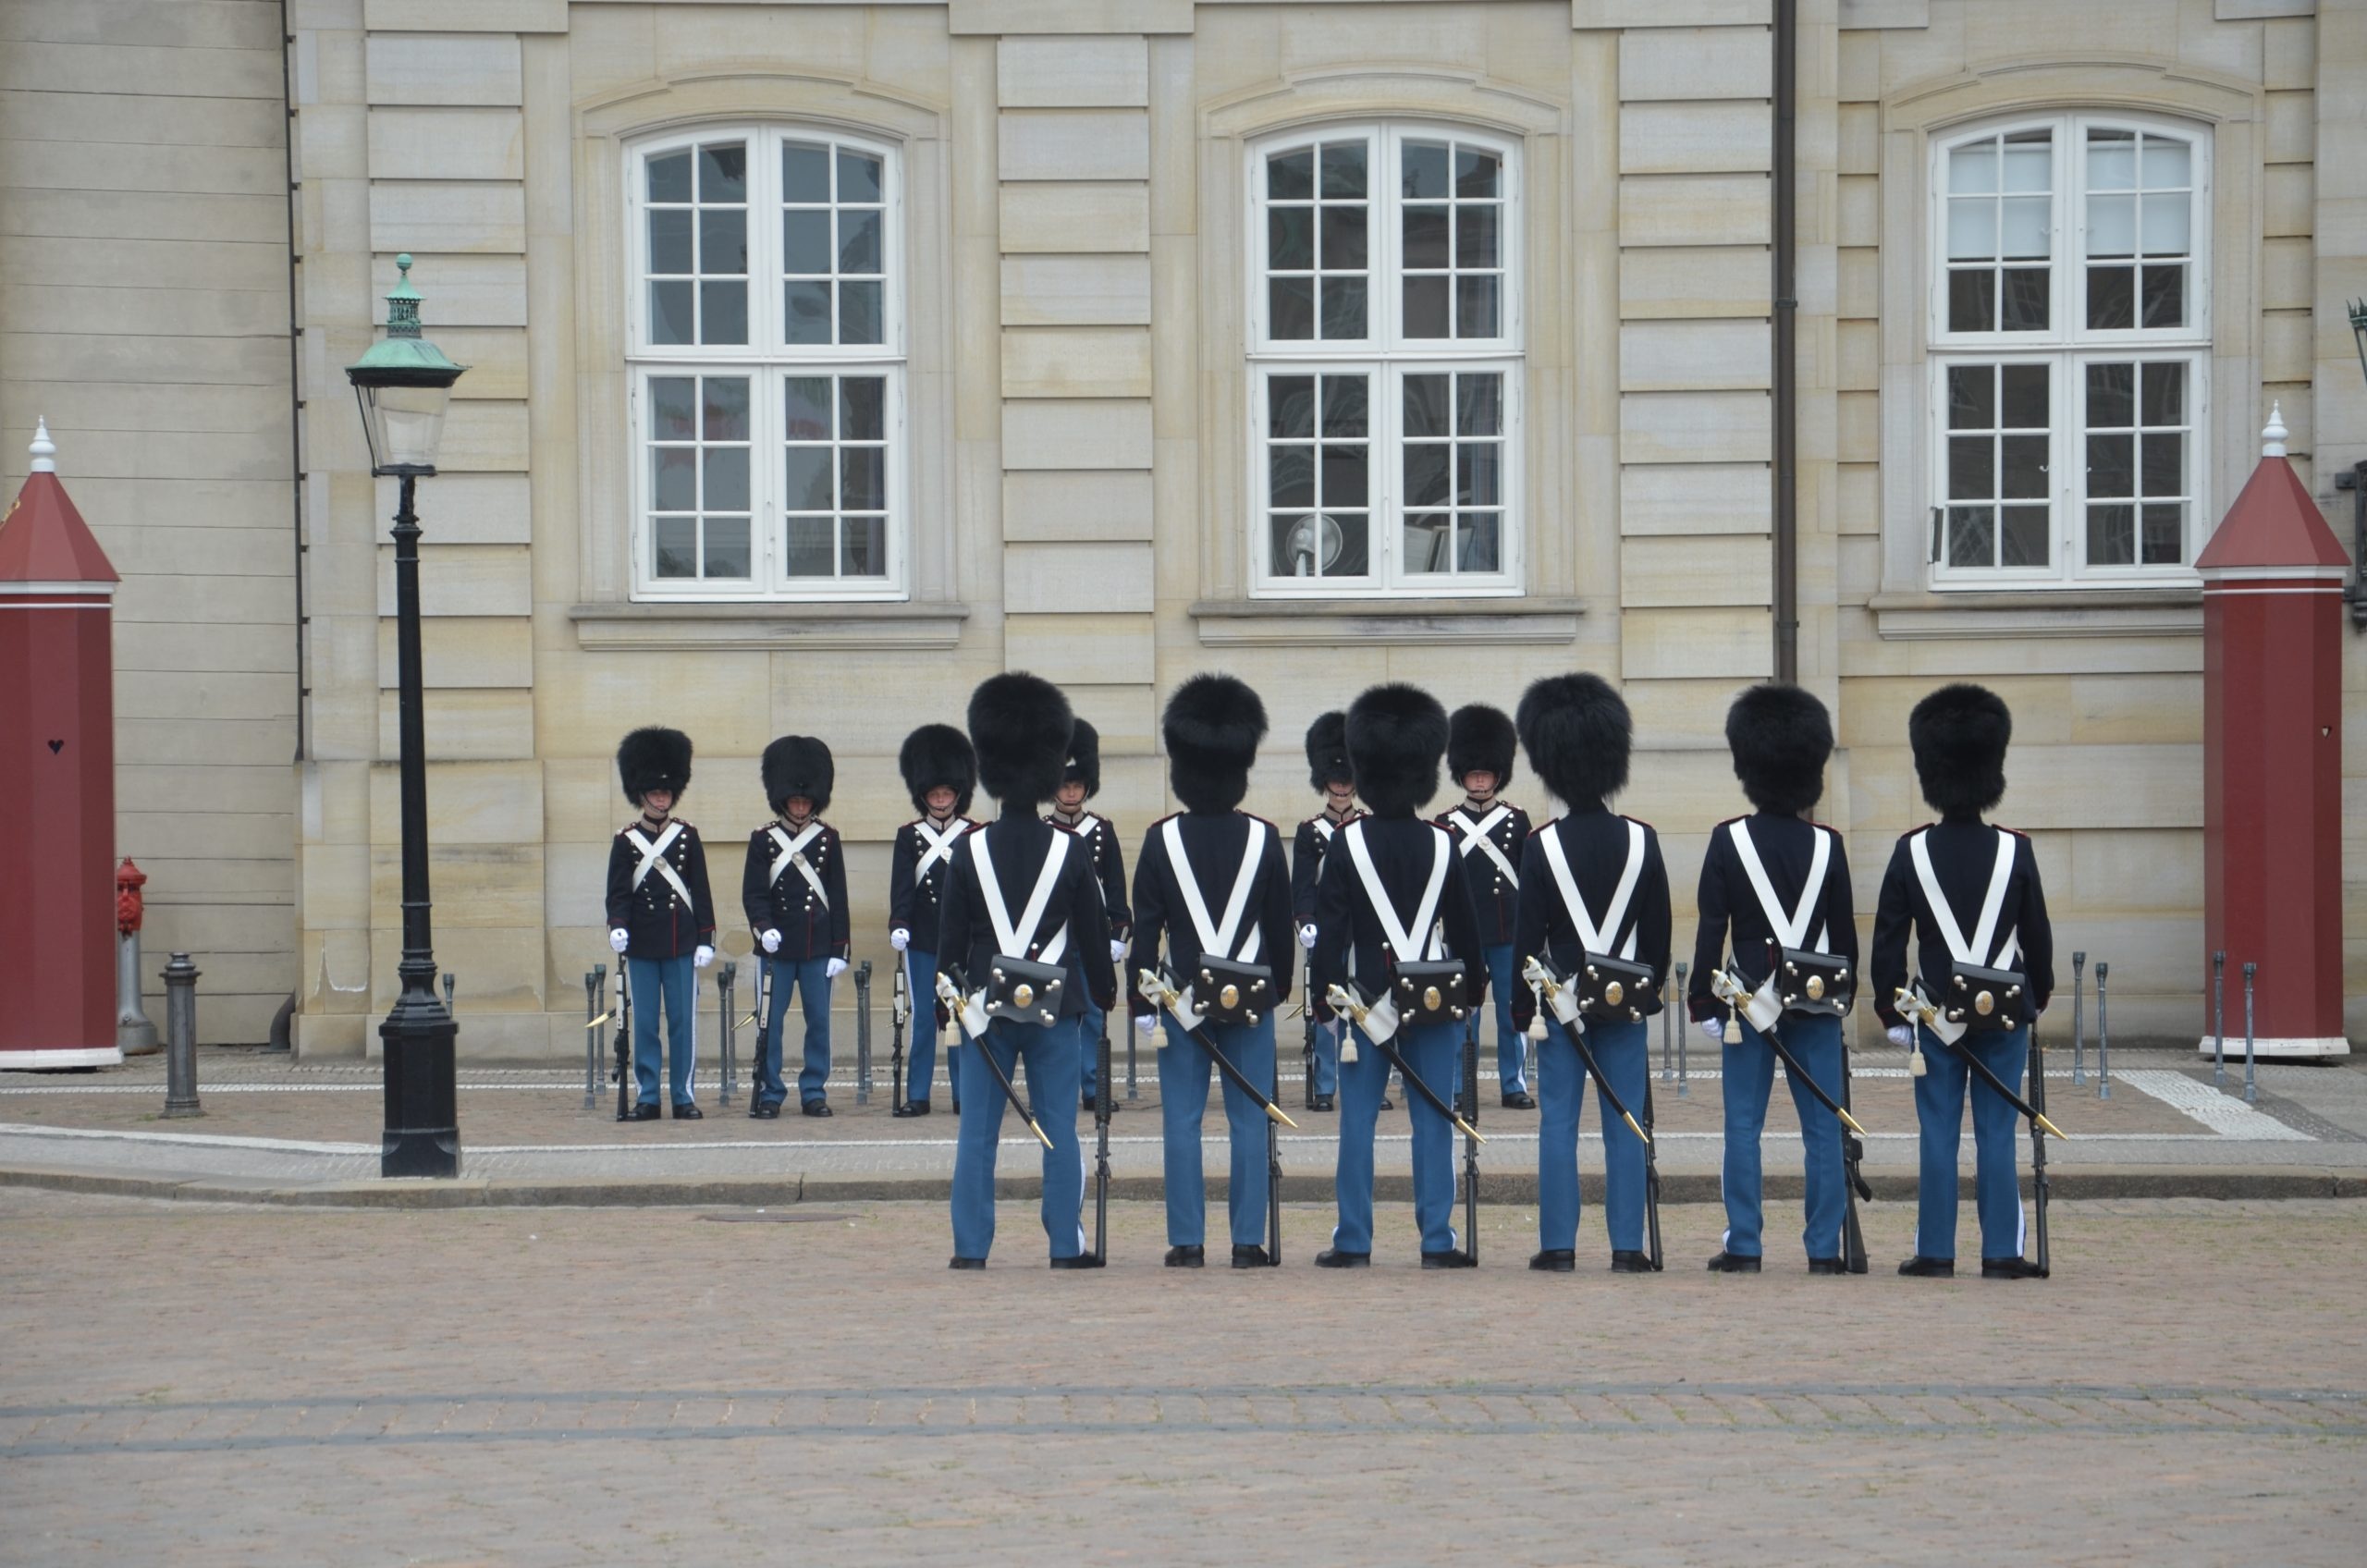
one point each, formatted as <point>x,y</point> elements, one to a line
<point>1787,457</point>
<point>295,380</point>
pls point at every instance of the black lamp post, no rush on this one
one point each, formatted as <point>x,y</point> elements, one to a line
<point>2356,482</point>
<point>404,383</point>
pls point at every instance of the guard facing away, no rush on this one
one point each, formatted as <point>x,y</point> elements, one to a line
<point>1397,944</point>
<point>1080,782</point>
<point>1489,833</point>
<point>794,890</point>
<point>1775,892</point>
<point>1024,945</point>
<point>940,773</point>
<point>661,916</point>
<point>1970,895</point>
<point>1211,890</point>
<point>1329,771</point>
<point>1594,918</point>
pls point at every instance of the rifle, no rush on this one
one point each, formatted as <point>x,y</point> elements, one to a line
<point>899,1011</point>
<point>2038,1145</point>
<point>1274,1175</point>
<point>1651,1179</point>
<point>950,991</point>
<point>1161,989</point>
<point>1854,1184</point>
<point>1342,1002</point>
<point>1915,1007</point>
<point>1306,1049</point>
<point>1102,1145</point>
<point>624,1039</point>
<point>596,1003</point>
<point>1471,1134</point>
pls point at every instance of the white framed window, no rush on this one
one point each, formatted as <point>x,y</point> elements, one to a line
<point>766,341</point>
<point>2069,347</point>
<point>1385,362</point>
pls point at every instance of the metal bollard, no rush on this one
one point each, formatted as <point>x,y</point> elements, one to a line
<point>180,1038</point>
<point>1668,1037</point>
<point>863,1033</point>
<point>2078,1023</point>
<point>2103,1034</point>
<point>450,981</point>
<point>1133,1034</point>
<point>134,1035</point>
<point>2219,1019</point>
<point>727,1031</point>
<point>2251,1090</point>
<point>1683,1038</point>
<point>595,1039</point>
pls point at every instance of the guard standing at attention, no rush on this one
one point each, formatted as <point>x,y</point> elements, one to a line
<point>1776,886</point>
<point>1594,909</point>
<point>1327,771</point>
<point>1027,932</point>
<point>1488,832</point>
<point>940,773</point>
<point>794,890</point>
<point>1080,782</point>
<point>1395,931</point>
<point>661,916</point>
<point>1971,894</point>
<point>1211,885</point>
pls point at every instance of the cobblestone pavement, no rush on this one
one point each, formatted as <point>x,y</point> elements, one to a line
<point>200,1384</point>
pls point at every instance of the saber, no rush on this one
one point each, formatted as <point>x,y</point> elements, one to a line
<point>1924,1012</point>
<point>948,992</point>
<point>1538,975</point>
<point>1159,989</point>
<point>1341,1001</point>
<point>1732,992</point>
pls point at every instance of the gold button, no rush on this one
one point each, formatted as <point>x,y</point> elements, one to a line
<point>1984,1004</point>
<point>1431,999</point>
<point>1228,998</point>
<point>1614,993</point>
<point>1816,988</point>
<point>1024,996</point>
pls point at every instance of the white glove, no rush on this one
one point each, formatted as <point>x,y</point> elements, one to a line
<point>833,969</point>
<point>772,941</point>
<point>618,940</point>
<point>1306,938</point>
<point>1148,1023</point>
<point>899,938</point>
<point>702,958</point>
<point>1117,951</point>
<point>1715,1030</point>
<point>1902,1036</point>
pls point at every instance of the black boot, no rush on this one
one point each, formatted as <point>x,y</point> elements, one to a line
<point>1631,1263</point>
<point>1388,1104</point>
<point>2010,1268</point>
<point>1555,1260</point>
<point>967,1263</point>
<point>1082,1260</point>
<point>1520,1100</point>
<point>1332,1258</point>
<point>1324,1102</point>
<point>1187,1258</point>
<point>1733,1262</point>
<point>764,1110</point>
<point>642,1113</point>
<point>689,1113</point>
<point>1921,1267</point>
<point>1453,1257</point>
<point>1250,1258</point>
<point>913,1107</point>
<point>817,1108</point>
<point>1827,1266</point>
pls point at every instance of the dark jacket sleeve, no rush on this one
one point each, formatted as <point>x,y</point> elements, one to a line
<point>1335,921</point>
<point>1113,886</point>
<point>1462,918</point>
<point>1150,919</point>
<point>834,887</point>
<point>756,885</point>
<point>1894,922</point>
<point>1710,938</point>
<point>1305,861</point>
<point>1652,917</point>
<point>1089,921</point>
<point>953,927</point>
<point>619,881</point>
<point>899,879</point>
<point>1841,906</point>
<point>1278,939</point>
<point>2036,931</point>
<point>1531,914</point>
<point>702,898</point>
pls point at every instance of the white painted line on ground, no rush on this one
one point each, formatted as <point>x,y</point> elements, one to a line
<point>2223,1113</point>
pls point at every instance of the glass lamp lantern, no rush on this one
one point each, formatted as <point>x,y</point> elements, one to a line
<point>404,384</point>
<point>2358,330</point>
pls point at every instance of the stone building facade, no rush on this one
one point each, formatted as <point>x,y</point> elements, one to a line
<point>827,357</point>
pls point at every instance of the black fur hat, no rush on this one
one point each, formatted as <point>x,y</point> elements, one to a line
<point>1084,758</point>
<point>798,764</point>
<point>1577,731</point>
<point>654,758</point>
<point>1020,724</point>
<point>1327,751</point>
<point>1396,734</point>
<point>1477,737</point>
<point>1781,738</point>
<point>934,754</point>
<point>1212,726</point>
<point>1960,734</point>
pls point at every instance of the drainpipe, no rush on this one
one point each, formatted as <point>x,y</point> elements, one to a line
<point>1787,458</point>
<point>295,385</point>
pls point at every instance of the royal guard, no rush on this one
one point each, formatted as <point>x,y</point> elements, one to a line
<point>1023,948</point>
<point>794,890</point>
<point>1329,773</point>
<point>661,916</point>
<point>1969,894</point>
<point>1397,944</point>
<point>1594,921</point>
<point>1489,833</point>
<point>1212,903</point>
<point>1775,893</point>
<point>1080,782</point>
<point>940,773</point>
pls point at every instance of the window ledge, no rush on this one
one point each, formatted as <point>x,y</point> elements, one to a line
<point>611,627</point>
<point>2129,612</point>
<point>1293,623</point>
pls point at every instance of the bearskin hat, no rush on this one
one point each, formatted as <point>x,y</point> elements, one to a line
<point>1327,752</point>
<point>798,764</point>
<point>1020,724</point>
<point>1960,734</point>
<point>1781,738</point>
<point>1212,726</point>
<point>934,754</point>
<point>1477,737</point>
<point>1084,758</point>
<point>1396,734</point>
<point>654,758</point>
<point>1576,732</point>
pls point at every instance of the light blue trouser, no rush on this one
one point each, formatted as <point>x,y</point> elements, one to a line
<point>1511,1046</point>
<point>1749,1077</point>
<point>1624,1051</point>
<point>1939,1112</point>
<point>810,978</point>
<point>1435,1053</point>
<point>1327,1057</point>
<point>661,984</point>
<point>1089,1052</point>
<point>1184,1069</point>
<point>1049,1053</point>
<point>920,981</point>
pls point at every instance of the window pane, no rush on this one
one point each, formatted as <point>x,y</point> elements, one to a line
<point>804,172</point>
<point>1972,396</point>
<point>1475,306</point>
<point>1423,176</point>
<point>807,473</point>
<point>2169,164</point>
<point>1343,239</point>
<point>805,242</point>
<point>1479,542</point>
<point>723,240</point>
<point>2024,226</point>
<point>1427,544</point>
<point>2164,540</point>
<point>2029,165</point>
<point>863,407</point>
<point>859,313</point>
<point>808,407</point>
<point>671,400</point>
<point>1425,477</point>
<point>674,479</point>
<point>723,313</point>
<point>862,478</point>
<point>865,545</point>
<point>1290,176</point>
<point>1344,307</point>
<point>1354,544</point>
<point>1971,468</point>
<point>859,241</point>
<point>1290,476</point>
<point>2112,390</point>
<point>1425,301</point>
<point>725,415</point>
<point>2164,296</point>
<point>1475,174</point>
<point>2112,226</point>
<point>1318,544</point>
<point>2166,226</point>
<point>669,178</point>
<point>2112,465</point>
<point>670,313</point>
<point>2164,472</point>
<point>1290,238</point>
<point>2022,537</point>
<point>2112,535</point>
<point>2111,161</point>
<point>723,172</point>
<point>1345,480</point>
<point>2022,467</point>
<point>724,472</point>
<point>1972,228</point>
<point>727,547</point>
<point>2112,298</point>
<point>2023,304</point>
<point>675,545</point>
<point>1972,537</point>
<point>812,546</point>
<point>858,176</point>
<point>1344,406</point>
<point>805,309</point>
<point>2164,394</point>
<point>1475,237</point>
<point>1426,237</point>
<point>1426,405</point>
<point>1478,405</point>
<point>1290,407</point>
<point>1343,170</point>
<point>1474,474</point>
<point>1972,300</point>
<point>2025,396</point>
<point>1290,307</point>
<point>669,239</point>
<point>1973,169</point>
